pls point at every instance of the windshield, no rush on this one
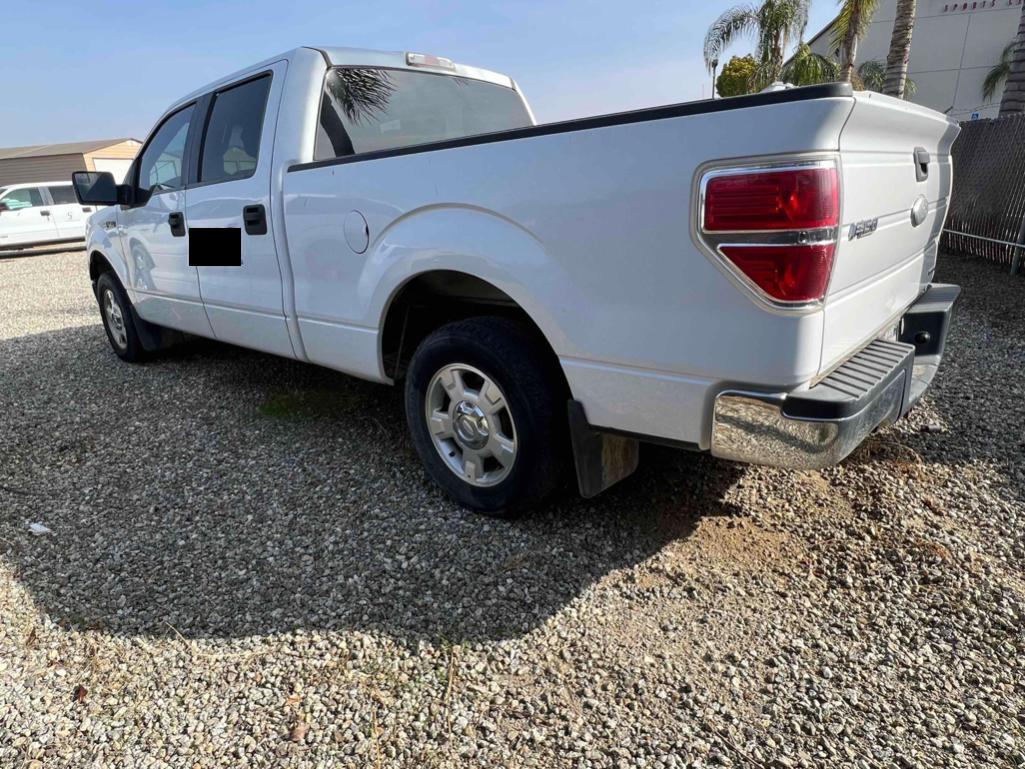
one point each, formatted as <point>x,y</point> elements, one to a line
<point>366,110</point>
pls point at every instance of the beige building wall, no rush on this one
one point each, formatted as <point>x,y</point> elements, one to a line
<point>953,47</point>
<point>126,150</point>
<point>116,158</point>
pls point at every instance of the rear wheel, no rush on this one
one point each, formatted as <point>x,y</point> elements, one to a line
<point>118,321</point>
<point>485,407</point>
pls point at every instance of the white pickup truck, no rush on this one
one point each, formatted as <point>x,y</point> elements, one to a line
<point>747,276</point>
<point>40,213</point>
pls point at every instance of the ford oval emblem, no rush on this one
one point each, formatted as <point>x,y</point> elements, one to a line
<point>920,210</point>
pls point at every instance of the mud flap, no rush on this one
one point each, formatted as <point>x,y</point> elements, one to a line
<point>601,459</point>
<point>154,338</point>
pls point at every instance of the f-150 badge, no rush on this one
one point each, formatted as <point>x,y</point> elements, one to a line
<point>863,228</point>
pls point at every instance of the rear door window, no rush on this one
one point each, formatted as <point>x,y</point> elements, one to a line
<point>63,195</point>
<point>365,110</point>
<point>231,142</point>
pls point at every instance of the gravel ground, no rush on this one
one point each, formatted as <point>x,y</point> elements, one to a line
<point>248,567</point>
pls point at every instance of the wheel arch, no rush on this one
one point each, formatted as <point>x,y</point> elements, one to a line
<point>99,264</point>
<point>429,299</point>
<point>468,261</point>
<point>104,256</point>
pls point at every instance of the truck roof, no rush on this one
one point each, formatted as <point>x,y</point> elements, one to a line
<point>337,56</point>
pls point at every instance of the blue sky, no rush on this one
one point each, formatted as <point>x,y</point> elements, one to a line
<point>74,70</point>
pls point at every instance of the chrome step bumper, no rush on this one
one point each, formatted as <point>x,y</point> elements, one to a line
<point>820,426</point>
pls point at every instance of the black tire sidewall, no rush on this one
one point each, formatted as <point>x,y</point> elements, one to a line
<point>134,351</point>
<point>510,356</point>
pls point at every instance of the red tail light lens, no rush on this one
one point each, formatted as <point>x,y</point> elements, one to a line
<point>786,273</point>
<point>788,199</point>
<point>777,227</point>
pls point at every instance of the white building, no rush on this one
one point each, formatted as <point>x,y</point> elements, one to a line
<point>953,47</point>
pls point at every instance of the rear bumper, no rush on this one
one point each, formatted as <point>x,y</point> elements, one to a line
<point>819,427</point>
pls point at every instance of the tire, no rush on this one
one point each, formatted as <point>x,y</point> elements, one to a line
<point>508,389</point>
<point>118,319</point>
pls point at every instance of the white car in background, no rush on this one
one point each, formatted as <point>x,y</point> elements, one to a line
<point>38,213</point>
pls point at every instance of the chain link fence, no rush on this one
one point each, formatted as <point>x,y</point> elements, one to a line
<point>987,208</point>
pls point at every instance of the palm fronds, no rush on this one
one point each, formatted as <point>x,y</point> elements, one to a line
<point>774,24</point>
<point>362,93</point>
<point>996,76</point>
<point>871,76</point>
<point>855,16</point>
<point>806,67</point>
<point>736,22</point>
<point>850,26</point>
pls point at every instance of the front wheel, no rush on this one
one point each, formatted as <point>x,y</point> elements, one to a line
<point>485,407</point>
<point>118,322</point>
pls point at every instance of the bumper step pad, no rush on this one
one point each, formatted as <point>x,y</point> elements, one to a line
<point>855,384</point>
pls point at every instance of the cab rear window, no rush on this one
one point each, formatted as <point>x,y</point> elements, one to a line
<point>367,110</point>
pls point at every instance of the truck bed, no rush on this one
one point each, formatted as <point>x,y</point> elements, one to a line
<point>589,226</point>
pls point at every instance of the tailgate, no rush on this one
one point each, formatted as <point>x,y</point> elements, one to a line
<point>887,251</point>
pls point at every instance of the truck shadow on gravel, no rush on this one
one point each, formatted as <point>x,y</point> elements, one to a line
<point>220,493</point>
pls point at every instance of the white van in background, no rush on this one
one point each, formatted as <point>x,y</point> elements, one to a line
<point>38,213</point>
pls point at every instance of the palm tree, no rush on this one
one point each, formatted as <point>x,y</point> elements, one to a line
<point>900,49</point>
<point>851,25</point>
<point>1013,101</point>
<point>871,76</point>
<point>996,76</point>
<point>774,24</point>
<point>806,67</point>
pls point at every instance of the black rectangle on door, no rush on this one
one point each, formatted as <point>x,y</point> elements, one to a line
<point>215,247</point>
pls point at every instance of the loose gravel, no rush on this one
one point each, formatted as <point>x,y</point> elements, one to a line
<point>246,566</point>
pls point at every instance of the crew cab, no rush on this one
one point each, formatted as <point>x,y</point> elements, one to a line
<point>40,213</point>
<point>748,276</point>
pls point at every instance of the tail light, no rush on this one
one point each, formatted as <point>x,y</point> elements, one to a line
<point>775,228</point>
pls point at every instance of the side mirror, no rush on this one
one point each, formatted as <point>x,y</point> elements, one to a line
<point>98,188</point>
<point>3,207</point>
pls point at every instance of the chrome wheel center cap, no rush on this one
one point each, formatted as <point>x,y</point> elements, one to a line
<point>471,425</point>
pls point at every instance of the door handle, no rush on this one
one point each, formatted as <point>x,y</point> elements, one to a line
<point>177,221</point>
<point>255,220</point>
<point>44,213</point>
<point>921,164</point>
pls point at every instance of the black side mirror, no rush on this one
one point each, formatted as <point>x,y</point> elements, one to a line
<point>98,188</point>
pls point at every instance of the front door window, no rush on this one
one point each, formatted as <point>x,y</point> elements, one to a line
<point>26,197</point>
<point>162,166</point>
